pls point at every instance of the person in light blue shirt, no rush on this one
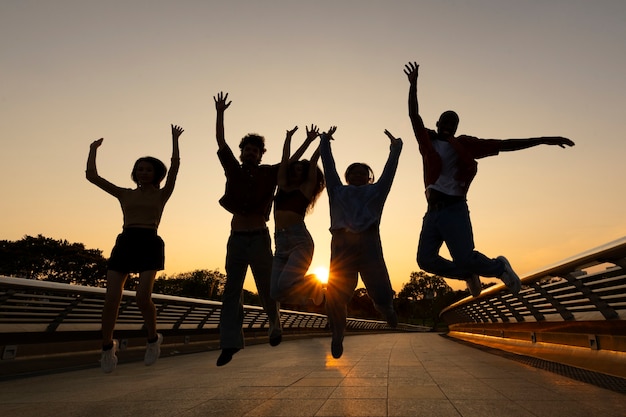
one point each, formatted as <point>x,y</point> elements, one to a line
<point>355,213</point>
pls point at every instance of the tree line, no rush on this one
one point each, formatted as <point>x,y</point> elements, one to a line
<point>419,301</point>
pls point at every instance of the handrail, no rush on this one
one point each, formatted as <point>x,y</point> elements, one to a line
<point>587,286</point>
<point>46,307</point>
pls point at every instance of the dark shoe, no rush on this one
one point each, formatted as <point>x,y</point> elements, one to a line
<point>390,315</point>
<point>392,319</point>
<point>275,340</point>
<point>336,347</point>
<point>226,356</point>
<point>473,285</point>
<point>509,277</point>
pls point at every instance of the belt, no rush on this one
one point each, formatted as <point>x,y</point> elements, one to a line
<point>441,204</point>
<point>249,232</point>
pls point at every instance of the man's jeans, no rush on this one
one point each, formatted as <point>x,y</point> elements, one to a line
<point>246,249</point>
<point>353,254</point>
<point>452,225</point>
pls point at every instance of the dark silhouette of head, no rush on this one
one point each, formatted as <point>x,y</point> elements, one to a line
<point>448,123</point>
<point>359,173</point>
<point>248,152</point>
<point>158,167</point>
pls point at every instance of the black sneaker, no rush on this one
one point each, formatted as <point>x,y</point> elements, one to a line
<point>275,340</point>
<point>473,285</point>
<point>336,347</point>
<point>509,277</point>
<point>226,356</point>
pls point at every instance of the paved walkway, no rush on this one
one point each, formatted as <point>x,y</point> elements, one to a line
<point>396,374</point>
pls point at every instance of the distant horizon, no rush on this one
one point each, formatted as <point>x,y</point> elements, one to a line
<point>557,263</point>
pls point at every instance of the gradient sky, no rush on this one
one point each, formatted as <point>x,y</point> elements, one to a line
<point>75,71</point>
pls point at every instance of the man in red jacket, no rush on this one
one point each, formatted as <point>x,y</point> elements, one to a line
<point>449,168</point>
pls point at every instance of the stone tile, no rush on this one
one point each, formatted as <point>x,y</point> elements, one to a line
<point>318,382</point>
<point>364,382</point>
<point>360,392</point>
<point>492,408</point>
<point>415,392</point>
<point>221,408</point>
<point>305,393</point>
<point>293,407</point>
<point>395,374</point>
<point>353,407</point>
<point>402,407</point>
<point>573,408</point>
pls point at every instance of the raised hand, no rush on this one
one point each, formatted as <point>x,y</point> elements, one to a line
<point>312,133</point>
<point>177,131</point>
<point>220,101</point>
<point>559,141</point>
<point>96,143</point>
<point>330,132</point>
<point>392,138</point>
<point>411,70</point>
<point>291,132</point>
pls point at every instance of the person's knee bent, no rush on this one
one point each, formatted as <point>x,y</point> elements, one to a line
<point>426,263</point>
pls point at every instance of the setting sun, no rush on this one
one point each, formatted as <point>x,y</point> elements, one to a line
<point>321,272</point>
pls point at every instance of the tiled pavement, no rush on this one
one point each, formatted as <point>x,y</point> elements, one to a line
<point>395,374</point>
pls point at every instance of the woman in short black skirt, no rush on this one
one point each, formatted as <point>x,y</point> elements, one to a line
<point>138,248</point>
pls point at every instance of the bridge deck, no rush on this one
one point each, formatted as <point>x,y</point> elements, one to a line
<point>396,374</point>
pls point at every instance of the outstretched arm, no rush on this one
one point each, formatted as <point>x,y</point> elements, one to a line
<point>92,172</point>
<point>283,168</point>
<point>328,162</point>
<point>175,164</point>
<point>221,105</point>
<point>411,70</point>
<point>309,186</point>
<point>389,171</point>
<point>311,134</point>
<point>507,145</point>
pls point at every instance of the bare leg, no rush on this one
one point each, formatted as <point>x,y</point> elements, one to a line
<point>144,301</point>
<point>115,286</point>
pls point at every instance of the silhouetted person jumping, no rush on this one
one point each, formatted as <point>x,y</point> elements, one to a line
<point>299,185</point>
<point>138,248</point>
<point>356,249</point>
<point>249,192</point>
<point>449,168</point>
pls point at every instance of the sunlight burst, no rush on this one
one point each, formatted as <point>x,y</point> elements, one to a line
<point>321,272</point>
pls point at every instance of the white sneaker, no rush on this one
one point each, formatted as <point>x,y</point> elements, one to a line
<point>108,360</point>
<point>473,285</point>
<point>509,277</point>
<point>153,351</point>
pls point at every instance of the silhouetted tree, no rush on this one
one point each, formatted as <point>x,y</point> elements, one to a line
<point>361,306</point>
<point>200,283</point>
<point>423,297</point>
<point>49,259</point>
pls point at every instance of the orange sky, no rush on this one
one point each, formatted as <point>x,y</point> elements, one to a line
<point>76,71</point>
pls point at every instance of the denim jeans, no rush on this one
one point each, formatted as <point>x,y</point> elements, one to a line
<point>352,254</point>
<point>452,225</point>
<point>292,258</point>
<point>245,250</point>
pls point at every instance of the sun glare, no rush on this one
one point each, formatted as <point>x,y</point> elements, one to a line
<point>321,272</point>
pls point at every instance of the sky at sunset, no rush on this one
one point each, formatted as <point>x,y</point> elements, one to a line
<point>75,71</point>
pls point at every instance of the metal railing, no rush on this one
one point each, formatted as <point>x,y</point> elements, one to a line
<point>31,306</point>
<point>572,312</point>
<point>588,286</point>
